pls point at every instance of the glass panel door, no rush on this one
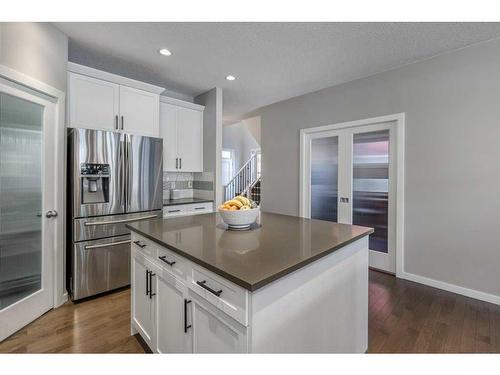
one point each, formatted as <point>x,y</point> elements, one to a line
<point>353,181</point>
<point>370,185</point>
<point>20,198</point>
<point>29,186</point>
<point>324,178</point>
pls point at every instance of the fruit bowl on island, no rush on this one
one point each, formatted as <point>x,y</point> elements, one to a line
<point>239,212</point>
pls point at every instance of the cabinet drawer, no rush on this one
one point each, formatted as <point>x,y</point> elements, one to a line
<point>201,208</point>
<point>226,296</point>
<point>172,262</point>
<point>177,210</point>
<point>144,246</point>
<point>187,209</point>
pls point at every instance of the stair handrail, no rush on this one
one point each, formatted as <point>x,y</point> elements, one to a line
<point>244,179</point>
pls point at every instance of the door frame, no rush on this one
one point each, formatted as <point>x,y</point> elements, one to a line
<point>58,97</point>
<point>306,135</point>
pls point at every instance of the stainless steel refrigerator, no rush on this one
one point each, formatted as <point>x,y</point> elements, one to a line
<point>113,178</point>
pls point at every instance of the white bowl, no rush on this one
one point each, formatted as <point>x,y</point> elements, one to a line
<point>239,219</point>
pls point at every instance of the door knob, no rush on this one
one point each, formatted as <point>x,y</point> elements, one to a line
<point>51,213</point>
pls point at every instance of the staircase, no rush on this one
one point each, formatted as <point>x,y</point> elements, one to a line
<point>255,192</point>
<point>247,181</point>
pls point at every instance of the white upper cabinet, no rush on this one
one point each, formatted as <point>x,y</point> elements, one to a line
<point>181,127</point>
<point>139,112</point>
<point>190,139</point>
<point>168,131</point>
<point>104,101</point>
<point>93,103</point>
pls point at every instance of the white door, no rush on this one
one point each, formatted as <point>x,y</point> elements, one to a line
<point>143,307</point>
<point>190,139</point>
<point>173,319</point>
<point>227,173</point>
<point>139,112</point>
<point>352,180</point>
<point>168,131</point>
<point>215,332</point>
<point>28,154</point>
<point>93,103</point>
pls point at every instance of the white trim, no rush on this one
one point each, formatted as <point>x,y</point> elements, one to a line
<point>59,98</point>
<point>487,297</point>
<point>181,103</point>
<point>31,83</point>
<point>106,76</point>
<point>304,177</point>
<point>400,272</point>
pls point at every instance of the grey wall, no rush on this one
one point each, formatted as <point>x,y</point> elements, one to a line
<point>212,136</point>
<point>241,137</point>
<point>452,194</point>
<point>38,50</point>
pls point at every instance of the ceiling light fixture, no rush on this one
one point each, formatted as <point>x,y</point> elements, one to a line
<point>165,52</point>
<point>230,78</point>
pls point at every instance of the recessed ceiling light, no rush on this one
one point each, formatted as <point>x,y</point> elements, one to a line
<point>230,78</point>
<point>165,52</point>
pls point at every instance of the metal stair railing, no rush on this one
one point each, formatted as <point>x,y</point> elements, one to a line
<point>244,180</point>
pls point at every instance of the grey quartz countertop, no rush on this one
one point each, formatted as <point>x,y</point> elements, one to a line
<point>174,202</point>
<point>254,258</point>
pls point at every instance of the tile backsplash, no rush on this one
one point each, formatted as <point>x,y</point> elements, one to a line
<point>187,185</point>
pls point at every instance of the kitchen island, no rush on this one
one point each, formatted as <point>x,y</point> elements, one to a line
<point>289,284</point>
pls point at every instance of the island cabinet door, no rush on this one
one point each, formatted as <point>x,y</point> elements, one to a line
<point>214,331</point>
<point>174,330</point>
<point>143,298</point>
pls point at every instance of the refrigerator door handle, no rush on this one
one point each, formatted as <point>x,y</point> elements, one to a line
<point>110,222</point>
<point>128,145</point>
<point>125,171</point>
<point>121,190</point>
<point>88,247</point>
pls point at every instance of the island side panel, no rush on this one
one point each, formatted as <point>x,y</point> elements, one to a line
<point>320,308</point>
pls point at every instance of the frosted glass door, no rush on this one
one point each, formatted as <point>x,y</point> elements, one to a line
<point>324,178</point>
<point>29,161</point>
<point>20,198</point>
<point>370,185</point>
<point>353,181</point>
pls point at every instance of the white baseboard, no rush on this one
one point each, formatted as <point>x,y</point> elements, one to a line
<point>491,298</point>
<point>61,300</point>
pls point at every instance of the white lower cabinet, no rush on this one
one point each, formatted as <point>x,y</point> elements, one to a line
<point>215,333</point>
<point>143,298</point>
<point>171,317</point>
<point>174,328</point>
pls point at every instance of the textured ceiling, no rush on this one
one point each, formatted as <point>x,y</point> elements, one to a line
<point>272,61</point>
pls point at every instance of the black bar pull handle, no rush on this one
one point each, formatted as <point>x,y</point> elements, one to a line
<point>147,282</point>
<point>204,285</point>
<point>186,326</point>
<point>138,243</point>
<point>164,259</point>
<point>151,294</point>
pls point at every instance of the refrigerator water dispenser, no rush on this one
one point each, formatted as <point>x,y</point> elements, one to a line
<point>94,183</point>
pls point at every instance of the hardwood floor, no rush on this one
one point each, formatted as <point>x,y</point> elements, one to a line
<point>404,317</point>
<point>99,325</point>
